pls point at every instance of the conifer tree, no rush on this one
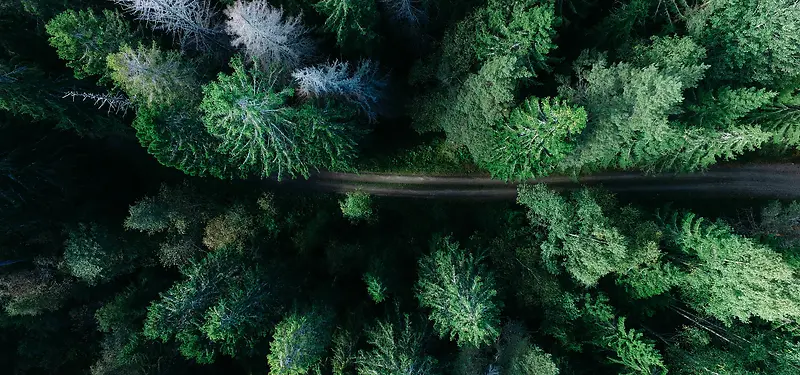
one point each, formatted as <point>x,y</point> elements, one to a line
<point>397,349</point>
<point>263,135</point>
<point>732,277</point>
<point>267,35</point>
<point>459,291</point>
<point>353,21</point>
<point>94,254</point>
<point>299,342</point>
<point>85,39</point>
<point>357,206</point>
<point>361,87</point>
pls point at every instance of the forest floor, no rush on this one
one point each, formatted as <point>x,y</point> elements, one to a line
<point>780,181</point>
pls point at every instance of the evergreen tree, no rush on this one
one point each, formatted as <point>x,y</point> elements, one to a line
<point>299,342</point>
<point>353,21</point>
<point>357,206</point>
<point>85,39</point>
<point>361,87</point>
<point>94,254</point>
<point>730,276</point>
<point>460,292</point>
<point>397,349</point>
<point>263,135</point>
<point>34,291</point>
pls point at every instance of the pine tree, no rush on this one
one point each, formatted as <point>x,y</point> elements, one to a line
<point>397,349</point>
<point>353,21</point>
<point>94,254</point>
<point>460,293</point>
<point>192,21</point>
<point>581,237</point>
<point>267,35</point>
<point>34,291</point>
<point>152,77</point>
<point>539,134</point>
<point>84,39</point>
<point>732,277</point>
<point>299,342</point>
<point>263,135</point>
<point>517,356</point>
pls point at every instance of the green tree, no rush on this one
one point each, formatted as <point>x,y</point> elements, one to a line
<point>300,342</point>
<point>732,277</point>
<point>93,254</point>
<point>397,349</point>
<point>34,291</point>
<point>375,287</point>
<point>517,356</point>
<point>264,135</point>
<point>152,77</point>
<point>741,53</point>
<point>540,133</point>
<point>85,39</point>
<point>581,237</point>
<point>353,21</point>
<point>460,293</point>
<point>357,206</point>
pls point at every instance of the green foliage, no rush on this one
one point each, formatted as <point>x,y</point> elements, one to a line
<point>85,39</point>
<point>223,305</point>
<point>782,121</point>
<point>517,356</point>
<point>581,237</point>
<point>263,135</point>
<point>397,349</point>
<point>34,291</point>
<point>749,41</point>
<point>343,350</point>
<point>540,133</point>
<point>375,288</point>
<point>152,77</point>
<point>780,224</point>
<point>724,107</point>
<point>353,21</point>
<point>230,229</point>
<point>357,206</point>
<point>730,276</point>
<point>299,343</point>
<point>460,293</point>
<point>93,254</point>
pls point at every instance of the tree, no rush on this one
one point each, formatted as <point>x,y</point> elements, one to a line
<point>410,12</point>
<point>397,349</point>
<point>581,237</point>
<point>260,132</point>
<point>353,21</point>
<point>375,287</point>
<point>230,229</point>
<point>93,254</point>
<point>517,356</point>
<point>732,277</point>
<point>34,291</point>
<point>780,224</point>
<point>357,206</point>
<point>539,134</point>
<point>299,342</point>
<point>460,293</point>
<point>85,39</point>
<point>267,36</point>
<point>361,87</point>
<point>741,53</point>
<point>152,77</point>
<point>192,21</point>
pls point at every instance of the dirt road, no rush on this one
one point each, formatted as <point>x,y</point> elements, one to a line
<point>750,180</point>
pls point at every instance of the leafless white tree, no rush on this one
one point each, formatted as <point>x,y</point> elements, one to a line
<point>190,20</point>
<point>114,102</point>
<point>405,11</point>
<point>362,86</point>
<point>267,35</point>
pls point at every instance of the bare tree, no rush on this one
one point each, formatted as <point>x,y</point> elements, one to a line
<point>267,35</point>
<point>190,20</point>
<point>114,102</point>
<point>405,11</point>
<point>362,87</point>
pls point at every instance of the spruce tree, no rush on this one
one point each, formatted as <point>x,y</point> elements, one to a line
<point>396,349</point>
<point>299,342</point>
<point>460,293</point>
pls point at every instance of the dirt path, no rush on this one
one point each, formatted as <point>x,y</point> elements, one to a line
<point>748,180</point>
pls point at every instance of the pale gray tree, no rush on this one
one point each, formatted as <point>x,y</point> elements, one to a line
<point>190,20</point>
<point>404,11</point>
<point>361,86</point>
<point>267,35</point>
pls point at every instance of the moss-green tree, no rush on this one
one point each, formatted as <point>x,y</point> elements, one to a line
<point>357,206</point>
<point>353,21</point>
<point>460,293</point>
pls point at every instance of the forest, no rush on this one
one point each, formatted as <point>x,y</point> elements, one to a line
<point>156,158</point>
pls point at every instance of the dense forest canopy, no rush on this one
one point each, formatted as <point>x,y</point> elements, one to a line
<point>142,230</point>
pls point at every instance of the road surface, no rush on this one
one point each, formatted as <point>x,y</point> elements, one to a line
<point>781,181</point>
